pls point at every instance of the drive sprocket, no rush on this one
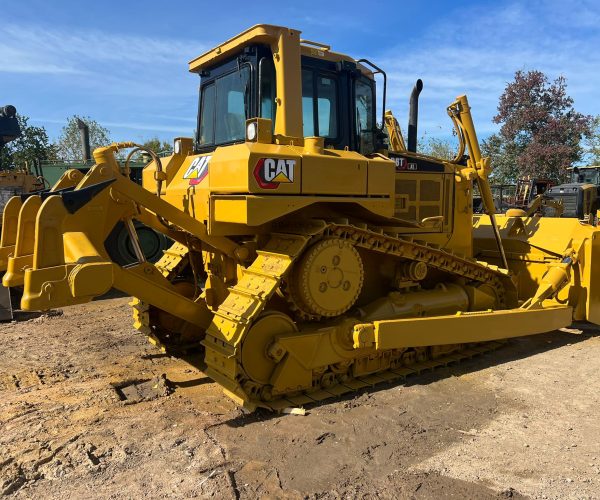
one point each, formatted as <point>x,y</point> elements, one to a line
<point>327,280</point>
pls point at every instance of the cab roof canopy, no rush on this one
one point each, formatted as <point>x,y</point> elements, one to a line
<point>266,34</point>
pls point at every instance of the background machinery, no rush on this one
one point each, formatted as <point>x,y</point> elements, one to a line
<point>527,195</point>
<point>13,181</point>
<point>310,257</point>
<point>580,197</point>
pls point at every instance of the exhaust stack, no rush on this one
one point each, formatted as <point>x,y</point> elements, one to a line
<point>84,130</point>
<point>413,116</point>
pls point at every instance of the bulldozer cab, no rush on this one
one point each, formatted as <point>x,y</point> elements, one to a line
<point>327,95</point>
<point>338,98</point>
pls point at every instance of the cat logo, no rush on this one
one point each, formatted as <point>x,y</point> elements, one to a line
<point>198,170</point>
<point>270,172</point>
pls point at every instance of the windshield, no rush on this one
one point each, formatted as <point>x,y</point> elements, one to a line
<point>224,108</point>
<point>586,175</point>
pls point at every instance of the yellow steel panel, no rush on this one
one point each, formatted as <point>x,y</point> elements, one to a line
<point>15,271</point>
<point>334,173</point>
<point>464,328</point>
<point>91,279</point>
<point>10,221</point>
<point>592,279</point>
<point>5,253</point>
<point>260,33</point>
<point>288,83</point>
<point>263,209</point>
<point>230,210</point>
<point>380,177</point>
<point>228,169</point>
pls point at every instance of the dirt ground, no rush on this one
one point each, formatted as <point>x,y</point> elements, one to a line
<point>85,412</point>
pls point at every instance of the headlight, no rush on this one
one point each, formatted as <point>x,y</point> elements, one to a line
<point>251,131</point>
<point>183,145</point>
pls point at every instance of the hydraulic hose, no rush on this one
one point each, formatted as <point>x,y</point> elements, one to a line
<point>159,170</point>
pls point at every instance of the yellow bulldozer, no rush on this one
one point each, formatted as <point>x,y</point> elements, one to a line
<point>315,251</point>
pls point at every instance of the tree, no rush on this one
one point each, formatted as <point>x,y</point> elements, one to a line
<point>541,132</point>
<point>504,159</point>
<point>32,145</point>
<point>158,146</point>
<point>592,150</point>
<point>438,148</point>
<point>69,145</point>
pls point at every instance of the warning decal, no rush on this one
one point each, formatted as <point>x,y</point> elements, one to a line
<point>198,170</point>
<point>270,172</point>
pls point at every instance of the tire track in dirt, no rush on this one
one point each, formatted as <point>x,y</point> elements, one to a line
<point>98,412</point>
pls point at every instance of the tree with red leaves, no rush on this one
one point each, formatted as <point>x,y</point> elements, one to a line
<point>540,133</point>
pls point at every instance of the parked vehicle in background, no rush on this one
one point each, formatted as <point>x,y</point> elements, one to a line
<point>579,196</point>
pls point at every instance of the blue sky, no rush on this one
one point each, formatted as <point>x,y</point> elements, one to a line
<point>125,63</point>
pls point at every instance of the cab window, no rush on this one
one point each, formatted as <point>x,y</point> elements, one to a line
<point>207,116</point>
<point>364,102</point>
<point>308,112</point>
<point>319,104</point>
<point>588,176</point>
<point>266,70</point>
<point>224,108</point>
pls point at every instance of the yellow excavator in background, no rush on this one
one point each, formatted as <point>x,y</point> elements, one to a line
<point>310,257</point>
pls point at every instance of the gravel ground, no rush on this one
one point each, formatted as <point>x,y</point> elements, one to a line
<point>88,409</point>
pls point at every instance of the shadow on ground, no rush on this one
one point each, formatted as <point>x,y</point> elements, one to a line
<point>512,350</point>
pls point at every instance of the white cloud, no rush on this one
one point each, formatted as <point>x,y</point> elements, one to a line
<point>124,81</point>
<point>143,126</point>
<point>142,80</point>
<point>478,50</point>
<point>37,49</point>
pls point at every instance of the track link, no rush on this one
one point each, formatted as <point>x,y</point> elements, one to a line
<point>174,259</point>
<point>383,377</point>
<point>249,297</point>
